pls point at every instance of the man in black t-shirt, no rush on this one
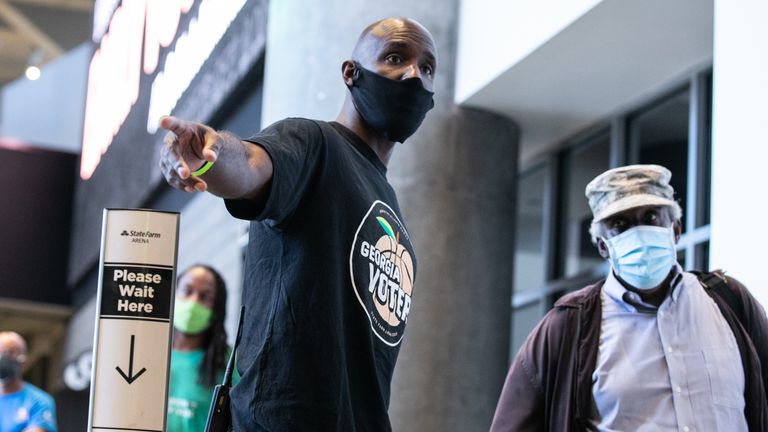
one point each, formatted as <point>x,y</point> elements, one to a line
<point>330,266</point>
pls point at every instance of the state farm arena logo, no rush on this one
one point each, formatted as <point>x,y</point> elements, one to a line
<point>140,236</point>
<point>383,271</point>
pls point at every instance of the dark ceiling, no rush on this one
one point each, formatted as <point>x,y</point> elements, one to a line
<point>38,31</point>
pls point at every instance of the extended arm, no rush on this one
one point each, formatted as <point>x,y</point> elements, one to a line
<point>241,170</point>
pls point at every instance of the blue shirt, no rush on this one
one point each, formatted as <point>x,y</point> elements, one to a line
<point>26,408</point>
<point>672,368</point>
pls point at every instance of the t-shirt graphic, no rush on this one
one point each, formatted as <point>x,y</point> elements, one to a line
<point>383,272</point>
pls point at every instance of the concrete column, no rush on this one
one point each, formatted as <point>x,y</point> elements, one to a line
<point>455,181</point>
<point>456,184</point>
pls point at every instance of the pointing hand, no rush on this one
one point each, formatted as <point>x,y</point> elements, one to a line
<point>188,146</point>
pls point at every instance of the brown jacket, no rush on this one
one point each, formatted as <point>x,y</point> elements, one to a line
<point>549,385</point>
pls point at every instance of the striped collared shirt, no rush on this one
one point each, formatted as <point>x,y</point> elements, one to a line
<point>672,368</point>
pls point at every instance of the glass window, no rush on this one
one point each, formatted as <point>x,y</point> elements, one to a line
<point>530,263</point>
<point>581,165</point>
<point>524,319</point>
<point>659,135</point>
<point>681,259</point>
<point>553,251</point>
<point>702,256</point>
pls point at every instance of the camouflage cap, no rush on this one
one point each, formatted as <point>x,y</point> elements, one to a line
<point>628,187</point>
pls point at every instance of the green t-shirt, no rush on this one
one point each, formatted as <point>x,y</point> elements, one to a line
<point>188,400</point>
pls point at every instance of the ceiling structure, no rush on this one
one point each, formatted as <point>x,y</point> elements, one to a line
<point>34,32</point>
<point>615,55</point>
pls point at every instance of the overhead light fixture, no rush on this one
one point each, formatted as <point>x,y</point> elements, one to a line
<point>33,65</point>
<point>32,73</point>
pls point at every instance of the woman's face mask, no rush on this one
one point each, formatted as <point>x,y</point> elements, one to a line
<point>642,256</point>
<point>190,317</point>
<point>394,108</point>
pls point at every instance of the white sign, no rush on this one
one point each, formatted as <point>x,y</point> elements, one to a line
<point>132,338</point>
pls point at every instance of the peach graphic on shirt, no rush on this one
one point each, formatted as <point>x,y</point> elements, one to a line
<point>383,269</point>
<point>393,289</point>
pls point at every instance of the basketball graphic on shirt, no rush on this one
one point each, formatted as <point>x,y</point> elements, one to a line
<point>382,270</point>
<point>402,273</point>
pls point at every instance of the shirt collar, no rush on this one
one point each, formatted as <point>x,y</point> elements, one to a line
<point>631,301</point>
<point>361,146</point>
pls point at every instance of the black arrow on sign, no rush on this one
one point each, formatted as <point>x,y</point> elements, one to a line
<point>130,377</point>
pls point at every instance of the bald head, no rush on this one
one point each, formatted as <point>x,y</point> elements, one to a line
<point>399,30</point>
<point>12,344</point>
<point>398,49</point>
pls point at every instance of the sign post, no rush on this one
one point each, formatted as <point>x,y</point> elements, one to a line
<point>131,354</point>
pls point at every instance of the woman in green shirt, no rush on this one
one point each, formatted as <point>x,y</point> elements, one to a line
<point>199,349</point>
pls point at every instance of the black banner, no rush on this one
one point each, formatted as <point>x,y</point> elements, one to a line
<point>136,291</point>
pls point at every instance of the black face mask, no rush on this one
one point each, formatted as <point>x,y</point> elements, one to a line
<point>10,368</point>
<point>394,108</point>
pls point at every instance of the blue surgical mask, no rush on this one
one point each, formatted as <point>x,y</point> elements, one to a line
<point>643,256</point>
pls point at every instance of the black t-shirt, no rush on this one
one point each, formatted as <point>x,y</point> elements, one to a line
<point>328,282</point>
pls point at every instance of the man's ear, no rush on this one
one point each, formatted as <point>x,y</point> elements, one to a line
<point>348,72</point>
<point>677,227</point>
<point>602,248</point>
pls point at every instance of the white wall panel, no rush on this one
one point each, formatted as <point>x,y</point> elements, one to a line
<point>739,143</point>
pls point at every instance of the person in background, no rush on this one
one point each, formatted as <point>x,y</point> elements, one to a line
<point>199,348</point>
<point>649,348</point>
<point>23,407</point>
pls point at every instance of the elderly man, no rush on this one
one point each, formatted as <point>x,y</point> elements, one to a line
<point>330,266</point>
<point>650,348</point>
<point>23,407</point>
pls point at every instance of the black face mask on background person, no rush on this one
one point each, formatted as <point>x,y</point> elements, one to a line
<point>394,108</point>
<point>10,368</point>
